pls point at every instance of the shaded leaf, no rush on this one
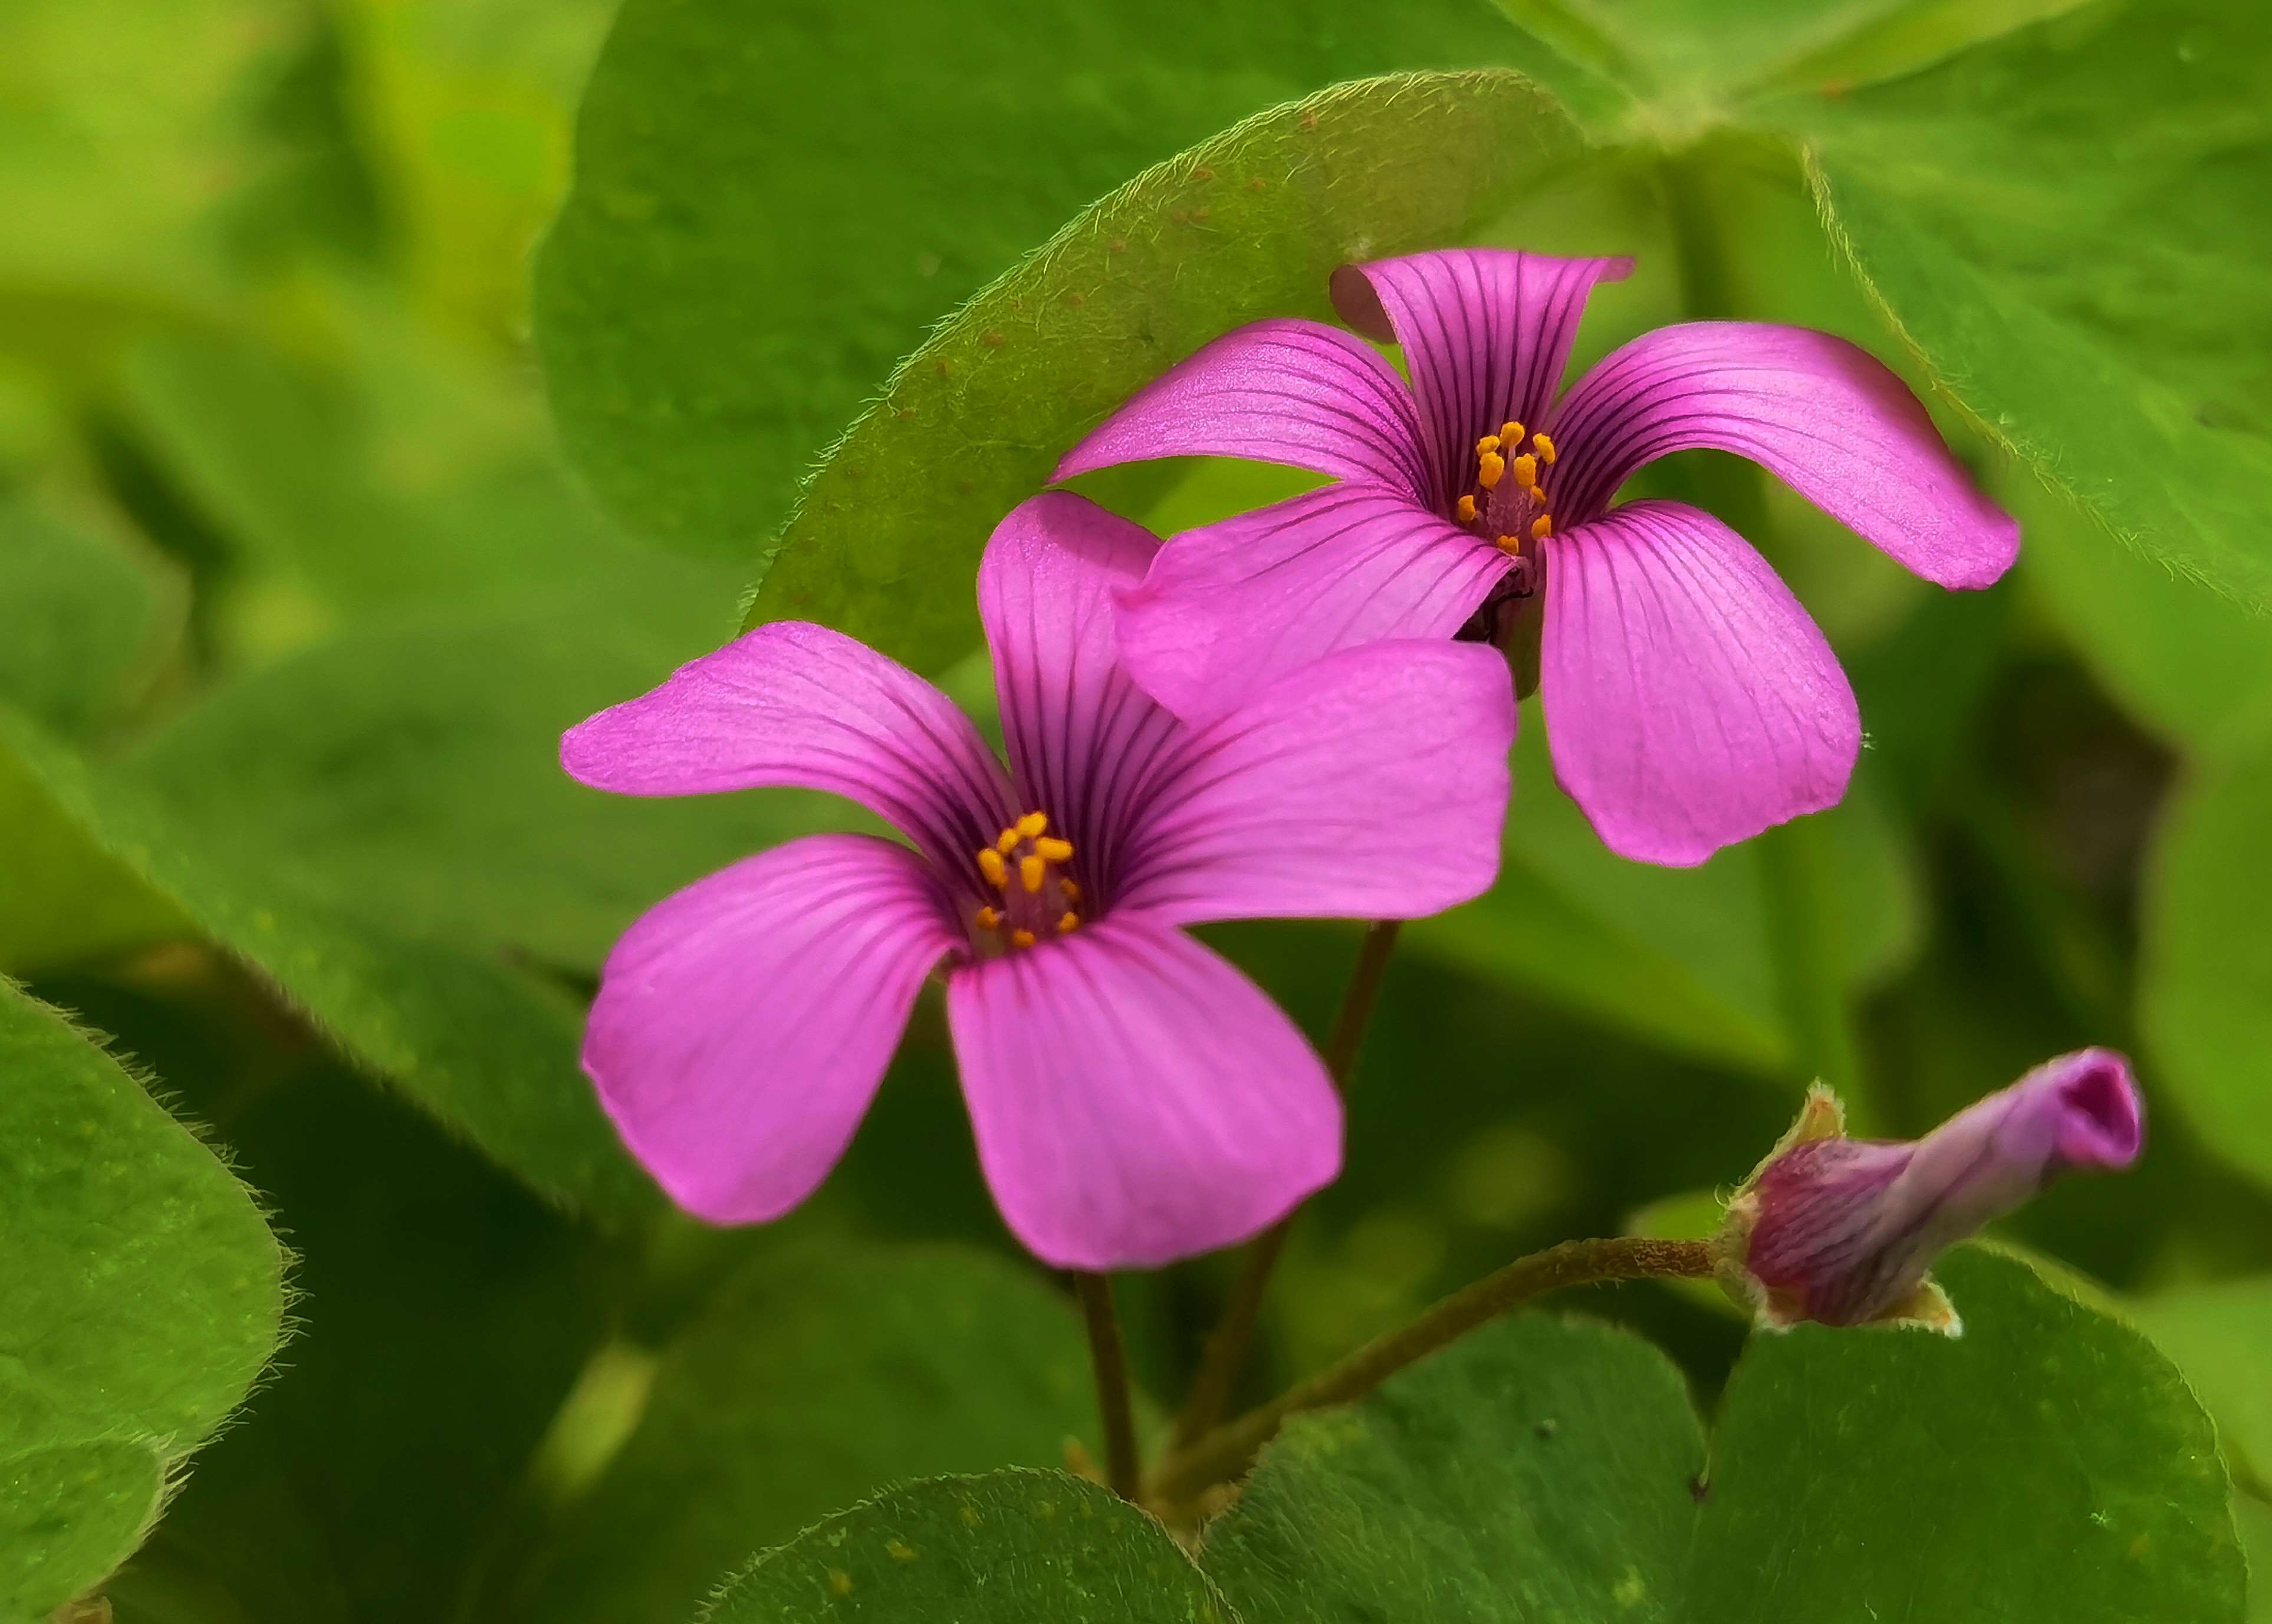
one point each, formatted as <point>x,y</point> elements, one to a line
<point>1667,71</point>
<point>1685,956</point>
<point>1982,1478</point>
<point>1537,1469</point>
<point>2205,984</point>
<point>2181,658</point>
<point>445,1315</point>
<point>819,1375</point>
<point>712,316</point>
<point>1248,224</point>
<point>1009,1547</point>
<point>2090,302</point>
<point>2219,1335</point>
<point>141,1295</point>
<point>410,776</point>
<point>1853,1474</point>
<point>68,1517</point>
<point>486,1046</point>
<point>80,624</point>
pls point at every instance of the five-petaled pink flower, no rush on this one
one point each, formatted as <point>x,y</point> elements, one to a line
<point>1135,1099</point>
<point>1841,1230</point>
<point>1690,701</point>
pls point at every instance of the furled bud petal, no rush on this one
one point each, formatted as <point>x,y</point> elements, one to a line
<point>1841,1230</point>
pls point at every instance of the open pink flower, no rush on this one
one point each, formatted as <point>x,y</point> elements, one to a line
<point>1690,701</point>
<point>1135,1098</point>
<point>1841,1230</point>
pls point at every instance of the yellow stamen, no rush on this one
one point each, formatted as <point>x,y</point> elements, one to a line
<point>1072,891</point>
<point>1067,921</point>
<point>1487,445</point>
<point>1510,433</point>
<point>1510,544</point>
<point>1542,526</point>
<point>1494,467</point>
<point>1030,871</point>
<point>988,920</point>
<point>990,864</point>
<point>1022,939</point>
<point>1053,850</point>
<point>1526,472</point>
<point>1032,824</point>
<point>1545,449</point>
<point>1006,842</point>
<point>1467,510</point>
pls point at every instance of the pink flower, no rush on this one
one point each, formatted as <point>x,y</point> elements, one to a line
<point>1841,1230</point>
<point>1690,701</point>
<point>1135,1098</point>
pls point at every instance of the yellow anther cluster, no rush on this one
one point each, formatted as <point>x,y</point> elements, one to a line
<point>1028,851</point>
<point>1497,455</point>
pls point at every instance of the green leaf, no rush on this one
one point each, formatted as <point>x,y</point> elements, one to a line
<point>2255,1519</point>
<point>2047,1464</point>
<point>2182,660</point>
<point>2090,300</point>
<point>822,1372</point>
<point>67,901</point>
<point>2205,983</point>
<point>68,1517</point>
<point>1010,1547</point>
<point>141,1294</point>
<point>1540,1470</point>
<point>711,316</point>
<point>80,625</point>
<point>2218,1335</point>
<point>1686,956</point>
<point>1668,71</point>
<point>410,776</point>
<point>486,1047</point>
<point>1249,224</point>
<point>391,480</point>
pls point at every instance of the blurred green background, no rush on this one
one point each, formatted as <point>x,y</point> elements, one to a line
<point>296,592</point>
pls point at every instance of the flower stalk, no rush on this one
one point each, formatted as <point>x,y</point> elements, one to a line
<point>1223,1453</point>
<point>1227,1345</point>
<point>1107,1355</point>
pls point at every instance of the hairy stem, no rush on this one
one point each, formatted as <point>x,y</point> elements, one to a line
<point>1108,1356</point>
<point>1225,1353</point>
<point>1224,1452</point>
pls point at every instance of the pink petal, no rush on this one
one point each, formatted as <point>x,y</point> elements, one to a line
<point>1690,701</point>
<point>1083,738</point>
<point>1372,785</point>
<point>744,1023</point>
<point>1234,606</point>
<point>1827,418</point>
<point>801,705</point>
<point>1291,392</point>
<point>1136,1099</point>
<point>1486,333</point>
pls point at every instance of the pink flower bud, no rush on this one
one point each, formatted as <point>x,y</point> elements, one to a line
<point>1841,1230</point>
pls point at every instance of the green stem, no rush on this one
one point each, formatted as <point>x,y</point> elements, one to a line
<point>1108,1356</point>
<point>1225,1353</point>
<point>1806,937</point>
<point>1220,1455</point>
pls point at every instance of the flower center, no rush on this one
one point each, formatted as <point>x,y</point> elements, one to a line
<point>1508,503</point>
<point>1024,863</point>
